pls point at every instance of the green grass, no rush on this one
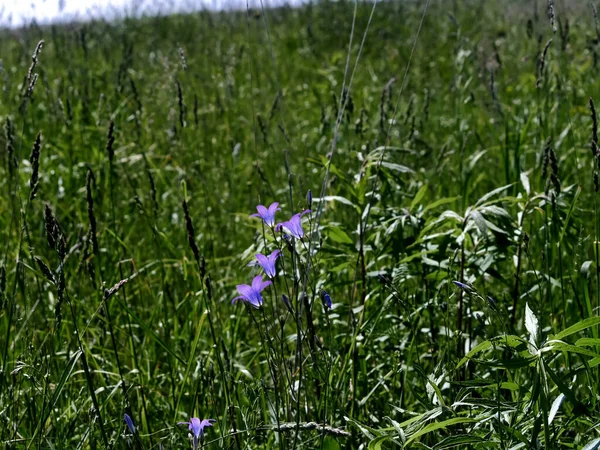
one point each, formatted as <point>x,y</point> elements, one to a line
<point>455,225</point>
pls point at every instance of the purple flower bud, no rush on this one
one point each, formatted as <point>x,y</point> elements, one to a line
<point>463,286</point>
<point>309,198</point>
<point>326,299</point>
<point>129,423</point>
<point>286,302</point>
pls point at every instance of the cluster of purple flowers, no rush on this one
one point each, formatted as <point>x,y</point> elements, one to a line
<point>251,294</point>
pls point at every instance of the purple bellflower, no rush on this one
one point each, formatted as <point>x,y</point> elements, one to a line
<point>267,214</point>
<point>129,423</point>
<point>268,262</point>
<point>196,427</point>
<point>294,225</point>
<point>251,294</point>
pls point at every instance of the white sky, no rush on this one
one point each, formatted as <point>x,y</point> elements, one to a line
<point>19,12</point>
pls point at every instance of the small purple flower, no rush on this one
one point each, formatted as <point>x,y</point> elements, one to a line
<point>129,423</point>
<point>326,299</point>
<point>267,214</point>
<point>196,427</point>
<point>251,294</point>
<point>294,225</point>
<point>268,262</point>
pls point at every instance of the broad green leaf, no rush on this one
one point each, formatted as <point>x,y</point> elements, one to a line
<point>579,326</point>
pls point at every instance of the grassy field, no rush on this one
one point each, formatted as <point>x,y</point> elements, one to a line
<point>442,292</point>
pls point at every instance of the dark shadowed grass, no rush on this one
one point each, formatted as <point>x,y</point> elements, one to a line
<point>445,293</point>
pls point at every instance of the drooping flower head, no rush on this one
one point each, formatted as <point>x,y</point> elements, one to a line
<point>267,214</point>
<point>326,299</point>
<point>294,225</point>
<point>196,427</point>
<point>129,423</point>
<point>268,262</point>
<point>251,294</point>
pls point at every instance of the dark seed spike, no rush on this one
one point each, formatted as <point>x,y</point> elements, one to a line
<point>110,141</point>
<point>181,104</point>
<point>10,146</point>
<point>551,15</point>
<point>594,126</point>
<point>2,280</point>
<point>90,179</point>
<point>34,159</point>
<point>45,270</point>
<point>51,227</point>
<point>542,64</point>
<point>545,158</point>
<point>191,233</point>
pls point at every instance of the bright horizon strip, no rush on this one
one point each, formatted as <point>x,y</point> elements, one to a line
<point>18,13</point>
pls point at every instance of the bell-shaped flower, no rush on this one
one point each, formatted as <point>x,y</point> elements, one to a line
<point>196,427</point>
<point>267,214</point>
<point>252,294</point>
<point>268,262</point>
<point>294,225</point>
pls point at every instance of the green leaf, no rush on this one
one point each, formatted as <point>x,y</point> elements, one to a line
<point>440,426</point>
<point>376,443</point>
<point>579,326</point>
<point>525,182</point>
<point>335,198</point>
<point>458,440</point>
<point>338,235</point>
<point>554,409</point>
<point>330,443</point>
<point>587,342</point>
<point>490,194</point>
<point>419,196</point>
<point>396,167</point>
<point>592,445</point>
<point>440,202</point>
<point>564,347</point>
<point>568,218</point>
<point>531,323</point>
